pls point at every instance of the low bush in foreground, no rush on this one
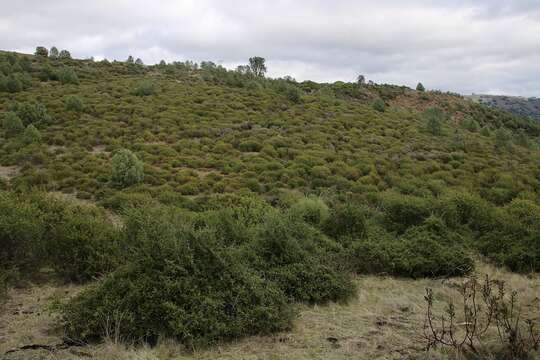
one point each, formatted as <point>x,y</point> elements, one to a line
<point>298,258</point>
<point>428,250</point>
<point>176,285</point>
<point>39,230</point>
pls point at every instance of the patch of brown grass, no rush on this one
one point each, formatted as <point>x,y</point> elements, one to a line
<point>384,322</point>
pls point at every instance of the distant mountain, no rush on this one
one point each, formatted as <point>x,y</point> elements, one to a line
<point>514,104</point>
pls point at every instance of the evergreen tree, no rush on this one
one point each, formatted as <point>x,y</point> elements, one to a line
<point>257,66</point>
<point>41,51</point>
<point>53,53</point>
<point>64,54</point>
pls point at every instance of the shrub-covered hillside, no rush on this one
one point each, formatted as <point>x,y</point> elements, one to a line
<point>201,203</point>
<point>200,130</point>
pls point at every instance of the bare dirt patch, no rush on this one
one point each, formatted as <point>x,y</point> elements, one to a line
<point>99,149</point>
<point>9,172</point>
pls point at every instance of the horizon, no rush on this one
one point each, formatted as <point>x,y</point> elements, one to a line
<point>274,77</point>
<point>479,46</point>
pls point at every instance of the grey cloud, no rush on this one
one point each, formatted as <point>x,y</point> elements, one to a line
<point>465,46</point>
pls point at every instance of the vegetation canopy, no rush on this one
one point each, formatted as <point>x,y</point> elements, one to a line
<point>204,204</point>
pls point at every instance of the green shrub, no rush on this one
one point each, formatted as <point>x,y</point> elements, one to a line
<point>434,118</point>
<point>21,234</point>
<point>67,75</point>
<point>346,221</point>
<point>11,84</point>
<point>31,135</point>
<point>502,138</point>
<point>12,124</point>
<point>514,238</point>
<point>32,113</point>
<point>404,211</point>
<point>250,146</point>
<point>465,209</point>
<point>127,169</point>
<point>144,88</point>
<point>83,245</point>
<point>299,259</point>
<point>310,209</point>
<point>176,285</point>
<point>41,51</point>
<point>74,103</point>
<point>48,73</point>
<point>379,105</point>
<point>423,251</point>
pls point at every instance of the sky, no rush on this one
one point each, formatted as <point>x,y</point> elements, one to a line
<point>474,46</point>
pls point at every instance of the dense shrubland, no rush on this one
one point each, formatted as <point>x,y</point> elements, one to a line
<point>207,168</point>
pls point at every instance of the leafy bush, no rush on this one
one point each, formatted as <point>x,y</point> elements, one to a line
<point>32,113</point>
<point>83,245</point>
<point>514,238</point>
<point>379,105</point>
<point>434,118</point>
<point>41,51</point>
<point>37,230</point>
<point>127,169</point>
<point>298,258</point>
<point>311,209</point>
<point>31,134</point>
<point>74,103</point>
<point>423,251</point>
<point>293,94</point>
<point>176,285</point>
<point>404,211</point>
<point>465,209</point>
<point>67,75</point>
<point>21,234</point>
<point>12,124</point>
<point>346,221</point>
<point>250,146</point>
<point>144,88</point>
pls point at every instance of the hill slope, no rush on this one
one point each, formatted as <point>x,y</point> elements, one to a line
<point>207,132</point>
<point>203,205</point>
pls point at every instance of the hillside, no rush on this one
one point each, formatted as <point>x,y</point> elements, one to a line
<point>515,104</point>
<point>188,203</point>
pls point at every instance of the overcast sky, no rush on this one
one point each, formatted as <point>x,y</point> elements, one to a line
<point>481,46</point>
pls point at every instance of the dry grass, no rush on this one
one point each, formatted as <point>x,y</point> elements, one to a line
<point>9,172</point>
<point>384,322</point>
